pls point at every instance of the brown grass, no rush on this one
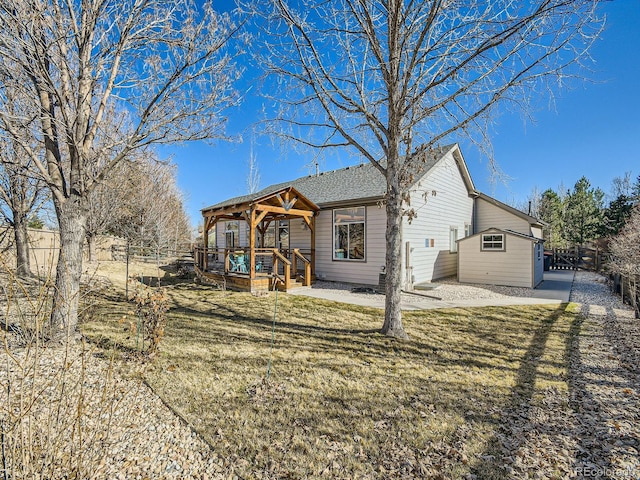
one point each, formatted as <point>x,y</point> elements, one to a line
<point>341,400</point>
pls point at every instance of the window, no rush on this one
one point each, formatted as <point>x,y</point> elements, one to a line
<point>493,241</point>
<point>453,236</point>
<point>283,234</point>
<point>231,234</point>
<point>467,230</point>
<point>230,240</point>
<point>270,236</point>
<point>348,233</point>
<point>270,239</point>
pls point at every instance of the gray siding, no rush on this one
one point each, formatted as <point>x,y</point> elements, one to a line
<point>242,239</point>
<point>364,272</point>
<point>441,201</point>
<point>299,236</point>
<point>511,267</point>
<point>492,216</point>
<point>538,263</point>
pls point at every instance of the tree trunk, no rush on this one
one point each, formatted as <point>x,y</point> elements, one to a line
<point>393,314</point>
<point>23,262</point>
<point>72,217</point>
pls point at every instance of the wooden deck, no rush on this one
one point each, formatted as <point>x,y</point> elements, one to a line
<point>279,270</point>
<point>235,281</point>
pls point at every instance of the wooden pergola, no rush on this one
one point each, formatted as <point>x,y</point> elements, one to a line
<point>259,212</point>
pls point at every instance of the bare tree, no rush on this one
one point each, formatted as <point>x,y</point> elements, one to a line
<point>152,215</point>
<point>531,205</point>
<point>21,196</point>
<point>253,176</point>
<point>625,256</point>
<point>393,79</point>
<point>161,65</point>
<point>107,204</point>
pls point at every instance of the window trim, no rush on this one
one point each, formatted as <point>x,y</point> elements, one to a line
<point>333,234</point>
<point>484,241</point>
<point>453,244</point>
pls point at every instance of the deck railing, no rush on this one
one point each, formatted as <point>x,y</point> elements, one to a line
<point>282,265</point>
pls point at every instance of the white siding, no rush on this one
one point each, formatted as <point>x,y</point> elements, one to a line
<point>512,267</point>
<point>492,216</point>
<point>364,272</point>
<point>441,201</point>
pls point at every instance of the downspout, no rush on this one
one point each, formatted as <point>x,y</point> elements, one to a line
<point>408,267</point>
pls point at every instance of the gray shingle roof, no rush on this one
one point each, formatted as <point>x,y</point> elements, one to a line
<point>359,182</point>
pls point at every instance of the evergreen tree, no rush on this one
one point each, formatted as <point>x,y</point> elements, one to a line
<point>550,211</point>
<point>616,215</point>
<point>583,213</point>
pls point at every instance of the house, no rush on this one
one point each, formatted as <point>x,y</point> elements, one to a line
<point>331,226</point>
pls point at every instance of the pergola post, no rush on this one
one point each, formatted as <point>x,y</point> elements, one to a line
<point>252,243</point>
<point>205,239</point>
<point>312,228</point>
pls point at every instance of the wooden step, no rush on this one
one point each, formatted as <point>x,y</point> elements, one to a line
<point>294,284</point>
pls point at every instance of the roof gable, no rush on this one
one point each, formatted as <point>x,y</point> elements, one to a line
<point>284,199</point>
<point>358,183</point>
<point>505,231</point>
<point>514,211</point>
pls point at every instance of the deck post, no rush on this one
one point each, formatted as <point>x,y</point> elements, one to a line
<point>287,277</point>
<point>294,262</point>
<point>312,228</point>
<point>252,244</point>
<point>205,239</point>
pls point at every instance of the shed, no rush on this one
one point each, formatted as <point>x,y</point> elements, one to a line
<point>501,257</point>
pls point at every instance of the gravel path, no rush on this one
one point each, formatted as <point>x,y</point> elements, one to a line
<point>447,294</point>
<point>448,289</point>
<point>593,432</point>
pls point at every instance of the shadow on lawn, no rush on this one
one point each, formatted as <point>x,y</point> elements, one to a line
<point>229,319</point>
<point>243,327</point>
<point>593,429</point>
<point>516,412</point>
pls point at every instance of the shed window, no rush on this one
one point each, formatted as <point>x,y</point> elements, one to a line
<point>348,233</point>
<point>493,241</point>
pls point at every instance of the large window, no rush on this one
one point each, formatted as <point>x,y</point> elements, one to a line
<point>493,241</point>
<point>348,233</point>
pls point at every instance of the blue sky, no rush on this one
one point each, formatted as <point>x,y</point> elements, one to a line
<point>593,130</point>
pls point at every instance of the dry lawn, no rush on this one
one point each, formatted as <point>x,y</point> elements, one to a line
<point>323,395</point>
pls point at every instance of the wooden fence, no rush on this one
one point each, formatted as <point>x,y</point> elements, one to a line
<point>627,288</point>
<point>584,258</point>
<point>44,246</point>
